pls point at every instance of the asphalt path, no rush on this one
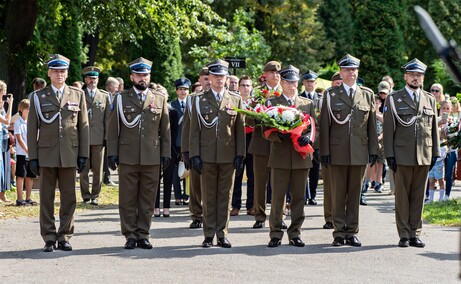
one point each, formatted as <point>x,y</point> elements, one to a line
<point>177,257</point>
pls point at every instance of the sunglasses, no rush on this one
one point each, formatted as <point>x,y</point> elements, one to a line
<point>435,91</point>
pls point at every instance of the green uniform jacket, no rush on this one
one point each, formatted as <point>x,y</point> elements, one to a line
<point>145,143</point>
<point>98,115</point>
<point>417,144</point>
<point>61,142</point>
<point>352,142</point>
<point>224,141</point>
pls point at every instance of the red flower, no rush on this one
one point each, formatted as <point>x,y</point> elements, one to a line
<point>277,94</point>
<point>265,92</point>
<point>280,110</point>
<point>258,110</point>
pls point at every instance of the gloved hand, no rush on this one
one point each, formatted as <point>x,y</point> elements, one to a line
<point>304,140</point>
<point>196,164</point>
<point>113,162</point>
<point>284,136</point>
<point>238,165</point>
<point>372,160</point>
<point>34,167</point>
<point>81,164</point>
<point>392,164</point>
<point>325,160</point>
<point>433,161</point>
<point>186,160</point>
<point>164,162</point>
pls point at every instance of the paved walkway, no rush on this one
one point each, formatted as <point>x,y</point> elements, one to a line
<point>98,256</point>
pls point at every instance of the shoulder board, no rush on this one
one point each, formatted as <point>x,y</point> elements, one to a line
<point>198,94</point>
<point>366,89</point>
<point>303,98</point>
<point>103,91</point>
<point>75,89</point>
<point>331,89</point>
<point>158,92</point>
<point>427,93</point>
<point>233,93</point>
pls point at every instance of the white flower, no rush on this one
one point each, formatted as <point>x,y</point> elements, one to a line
<point>288,116</point>
<point>272,113</point>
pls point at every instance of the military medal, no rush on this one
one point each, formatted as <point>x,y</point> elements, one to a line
<point>132,109</point>
<point>43,96</point>
<point>128,116</point>
<point>47,115</point>
<point>338,116</point>
<point>206,117</point>
<point>399,100</point>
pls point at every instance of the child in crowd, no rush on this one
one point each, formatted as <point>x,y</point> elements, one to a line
<point>437,174</point>
<point>23,172</point>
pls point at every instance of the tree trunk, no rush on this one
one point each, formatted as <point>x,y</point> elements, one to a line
<point>19,24</point>
<point>92,41</point>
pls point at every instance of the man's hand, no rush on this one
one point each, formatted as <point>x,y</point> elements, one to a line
<point>238,165</point>
<point>325,160</point>
<point>304,140</point>
<point>433,161</point>
<point>196,164</point>
<point>81,164</point>
<point>372,160</point>
<point>164,161</point>
<point>392,164</point>
<point>186,160</point>
<point>113,162</point>
<point>34,167</point>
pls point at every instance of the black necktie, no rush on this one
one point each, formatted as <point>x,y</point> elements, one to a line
<point>351,93</point>
<point>290,102</point>
<point>182,105</point>
<point>415,98</point>
<point>309,96</point>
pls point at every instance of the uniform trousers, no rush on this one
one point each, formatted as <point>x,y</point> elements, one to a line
<point>217,184</point>
<point>195,196</point>
<point>346,186</point>
<point>95,163</point>
<point>261,177</point>
<point>410,187</point>
<point>66,181</point>
<point>137,192</point>
<point>281,180</point>
<point>327,201</point>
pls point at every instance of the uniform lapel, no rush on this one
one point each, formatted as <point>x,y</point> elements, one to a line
<point>357,96</point>
<point>224,100</point>
<point>343,96</point>
<point>65,96</point>
<point>149,99</point>
<point>51,96</point>
<point>210,97</point>
<point>133,97</point>
<point>408,100</point>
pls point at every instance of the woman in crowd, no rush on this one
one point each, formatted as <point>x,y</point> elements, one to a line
<point>5,118</point>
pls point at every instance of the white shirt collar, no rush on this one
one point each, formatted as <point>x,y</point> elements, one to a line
<point>55,90</point>
<point>293,98</point>
<point>411,92</point>
<point>216,93</point>
<point>272,89</point>
<point>347,88</point>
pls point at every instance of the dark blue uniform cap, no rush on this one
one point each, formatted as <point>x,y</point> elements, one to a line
<point>182,83</point>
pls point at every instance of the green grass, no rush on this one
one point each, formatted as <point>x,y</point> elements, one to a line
<point>107,198</point>
<point>446,213</point>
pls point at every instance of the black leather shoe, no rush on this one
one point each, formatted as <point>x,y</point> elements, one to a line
<point>258,225</point>
<point>284,226</point>
<point>404,243</point>
<point>64,246</point>
<point>224,243</point>
<point>312,202</point>
<point>49,246</point>
<point>337,242</point>
<point>328,225</point>
<point>274,242</point>
<point>416,242</point>
<point>144,244</point>
<point>363,201</point>
<point>297,242</point>
<point>195,224</point>
<point>208,242</point>
<point>353,241</point>
<point>130,244</point>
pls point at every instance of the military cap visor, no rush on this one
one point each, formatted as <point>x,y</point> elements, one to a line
<point>415,66</point>
<point>349,61</point>
<point>310,76</point>
<point>218,67</point>
<point>91,72</point>
<point>289,73</point>
<point>182,83</point>
<point>140,68</point>
<point>58,62</point>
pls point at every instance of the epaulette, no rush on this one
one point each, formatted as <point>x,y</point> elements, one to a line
<point>303,98</point>
<point>75,89</point>
<point>159,92</point>
<point>103,91</point>
<point>427,93</point>
<point>233,93</point>
<point>332,88</point>
<point>366,89</point>
<point>198,93</point>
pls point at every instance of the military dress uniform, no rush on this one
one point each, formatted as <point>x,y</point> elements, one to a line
<point>348,137</point>
<point>260,148</point>
<point>98,107</point>
<point>411,138</point>
<point>57,138</point>
<point>217,138</point>
<point>139,135</point>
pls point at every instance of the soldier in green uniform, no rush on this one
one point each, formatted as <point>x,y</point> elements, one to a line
<point>288,168</point>
<point>411,147</point>
<point>348,141</point>
<point>216,148</point>
<point>57,138</point>
<point>98,107</point>
<point>139,142</point>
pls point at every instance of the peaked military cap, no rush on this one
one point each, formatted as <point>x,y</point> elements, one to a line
<point>203,71</point>
<point>336,76</point>
<point>349,61</point>
<point>218,67</point>
<point>310,75</point>
<point>415,66</point>
<point>289,73</point>
<point>91,71</point>
<point>272,66</point>
<point>140,66</point>
<point>58,62</point>
<point>182,83</point>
